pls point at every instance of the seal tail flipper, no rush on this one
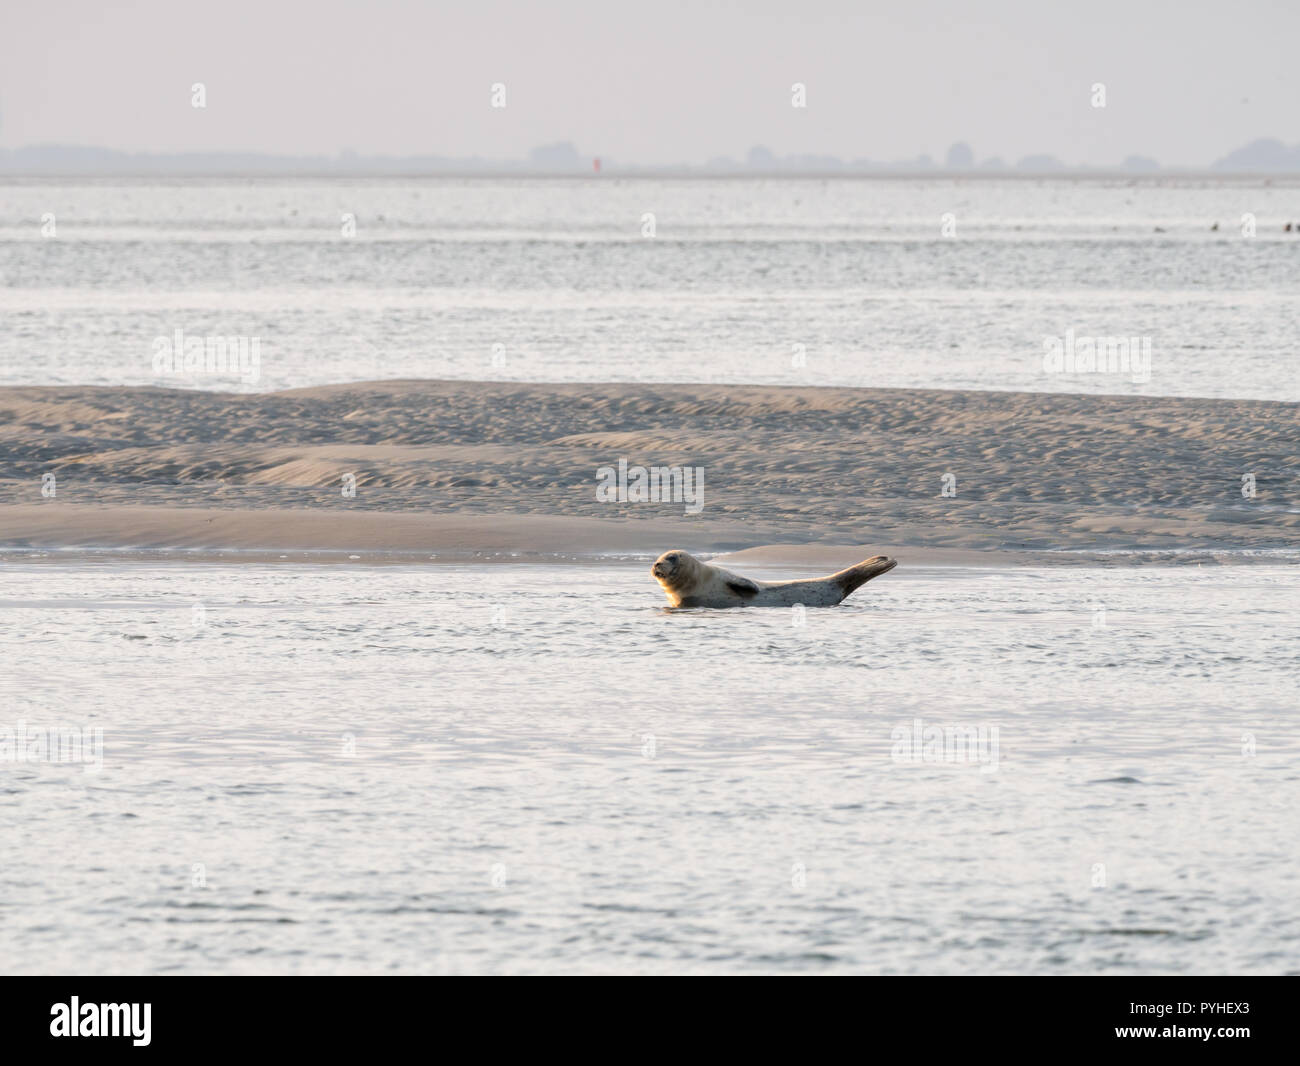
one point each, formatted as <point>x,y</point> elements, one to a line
<point>855,577</point>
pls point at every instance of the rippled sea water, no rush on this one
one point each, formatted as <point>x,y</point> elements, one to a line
<point>793,281</point>
<point>502,769</point>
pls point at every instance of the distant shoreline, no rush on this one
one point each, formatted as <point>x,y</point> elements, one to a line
<point>1262,157</point>
<point>1154,177</point>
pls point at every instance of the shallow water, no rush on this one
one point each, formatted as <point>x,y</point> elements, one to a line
<point>797,281</point>
<point>474,768</point>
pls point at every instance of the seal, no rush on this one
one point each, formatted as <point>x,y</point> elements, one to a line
<point>689,582</point>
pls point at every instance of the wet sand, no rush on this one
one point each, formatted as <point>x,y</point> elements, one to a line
<point>449,469</point>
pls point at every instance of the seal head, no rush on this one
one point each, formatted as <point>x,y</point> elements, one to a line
<point>670,568</point>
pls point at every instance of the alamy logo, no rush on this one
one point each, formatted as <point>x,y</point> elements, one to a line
<point>102,1019</point>
<point>953,744</point>
<point>1098,355</point>
<point>181,354</point>
<point>53,744</point>
<point>655,484</point>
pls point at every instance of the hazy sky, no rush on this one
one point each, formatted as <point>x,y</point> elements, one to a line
<point>659,82</point>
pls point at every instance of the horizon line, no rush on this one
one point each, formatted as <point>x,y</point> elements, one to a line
<point>1262,155</point>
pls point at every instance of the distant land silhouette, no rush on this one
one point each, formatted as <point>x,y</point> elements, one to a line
<point>1265,155</point>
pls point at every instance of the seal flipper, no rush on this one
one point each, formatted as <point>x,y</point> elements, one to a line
<point>855,577</point>
<point>742,586</point>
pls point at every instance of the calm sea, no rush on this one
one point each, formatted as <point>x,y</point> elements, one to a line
<point>919,283</point>
<point>538,769</point>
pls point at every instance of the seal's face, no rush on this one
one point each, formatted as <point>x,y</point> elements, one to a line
<point>672,568</point>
